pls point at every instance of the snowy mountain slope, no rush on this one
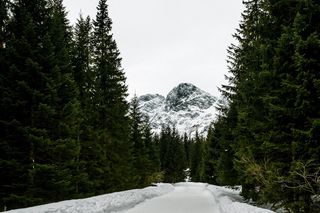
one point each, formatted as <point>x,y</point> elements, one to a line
<point>186,107</point>
<point>177,198</point>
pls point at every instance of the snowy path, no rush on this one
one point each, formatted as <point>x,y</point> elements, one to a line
<point>196,198</point>
<point>186,198</point>
<point>162,198</point>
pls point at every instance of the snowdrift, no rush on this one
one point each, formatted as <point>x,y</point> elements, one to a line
<point>229,200</point>
<point>108,203</point>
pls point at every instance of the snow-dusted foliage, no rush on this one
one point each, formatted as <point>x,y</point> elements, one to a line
<point>186,107</point>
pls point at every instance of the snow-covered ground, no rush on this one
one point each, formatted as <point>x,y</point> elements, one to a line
<point>229,200</point>
<point>166,198</point>
<point>108,203</point>
<point>197,198</point>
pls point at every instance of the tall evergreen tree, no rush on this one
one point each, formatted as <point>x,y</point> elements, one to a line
<point>211,155</point>
<point>57,155</point>
<point>152,151</point>
<point>111,91</point>
<point>187,142</point>
<point>197,161</point>
<point>164,139</point>
<point>82,60</point>
<point>225,171</point>
<point>84,78</point>
<point>110,103</point>
<point>140,159</point>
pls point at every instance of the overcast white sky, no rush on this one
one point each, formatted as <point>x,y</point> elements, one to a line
<point>167,42</point>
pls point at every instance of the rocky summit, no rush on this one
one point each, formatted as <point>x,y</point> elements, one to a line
<point>186,107</point>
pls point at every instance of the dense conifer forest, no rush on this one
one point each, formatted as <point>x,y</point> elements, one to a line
<point>67,130</point>
<point>268,128</point>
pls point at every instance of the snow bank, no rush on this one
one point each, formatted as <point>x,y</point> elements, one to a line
<point>230,201</point>
<point>107,203</point>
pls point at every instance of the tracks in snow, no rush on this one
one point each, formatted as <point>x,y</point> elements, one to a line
<point>186,198</point>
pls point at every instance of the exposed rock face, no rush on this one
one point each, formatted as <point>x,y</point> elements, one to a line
<point>186,107</point>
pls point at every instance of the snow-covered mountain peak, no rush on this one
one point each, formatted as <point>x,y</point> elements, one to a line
<point>185,95</point>
<point>181,91</point>
<point>186,107</point>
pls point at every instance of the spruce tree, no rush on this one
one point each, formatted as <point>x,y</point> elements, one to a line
<point>82,60</point>
<point>187,149</point>
<point>110,90</point>
<point>110,104</point>
<point>83,75</point>
<point>164,139</point>
<point>57,114</point>
<point>197,161</point>
<point>141,163</point>
<point>211,155</point>
<point>152,149</point>
<point>58,155</point>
